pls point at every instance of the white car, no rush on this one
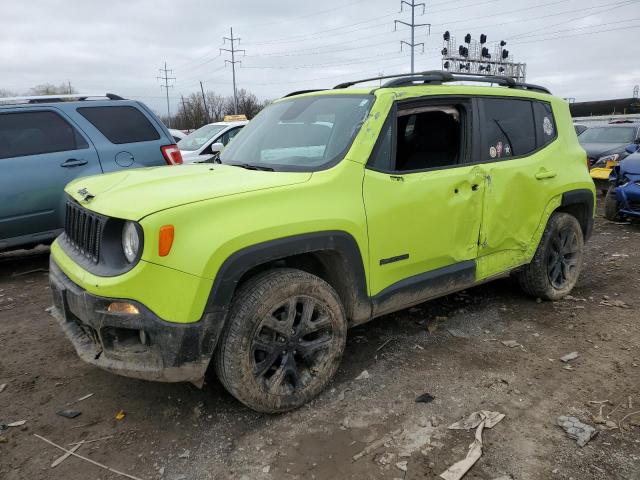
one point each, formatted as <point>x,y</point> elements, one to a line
<point>201,145</point>
<point>177,134</point>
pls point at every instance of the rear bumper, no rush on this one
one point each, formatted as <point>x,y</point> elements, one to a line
<point>164,351</point>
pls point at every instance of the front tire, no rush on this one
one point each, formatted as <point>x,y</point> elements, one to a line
<point>611,205</point>
<point>283,340</point>
<point>556,265</point>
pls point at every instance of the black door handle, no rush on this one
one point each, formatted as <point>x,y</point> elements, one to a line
<point>475,187</point>
<point>72,162</point>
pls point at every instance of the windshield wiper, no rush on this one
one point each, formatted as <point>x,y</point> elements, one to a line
<point>250,166</point>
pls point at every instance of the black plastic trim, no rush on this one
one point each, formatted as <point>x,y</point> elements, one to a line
<point>244,260</point>
<point>423,287</point>
<point>583,197</point>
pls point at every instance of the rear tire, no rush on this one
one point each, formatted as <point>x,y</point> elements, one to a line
<point>556,265</point>
<point>283,340</point>
<point>611,205</point>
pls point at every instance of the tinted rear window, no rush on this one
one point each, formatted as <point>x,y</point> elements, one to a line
<point>545,126</point>
<point>123,124</point>
<point>34,133</point>
<point>508,128</point>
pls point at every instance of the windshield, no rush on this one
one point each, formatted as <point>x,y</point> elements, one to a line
<point>608,135</point>
<point>197,139</point>
<point>303,134</point>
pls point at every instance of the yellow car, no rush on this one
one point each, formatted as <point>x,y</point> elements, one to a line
<point>601,171</point>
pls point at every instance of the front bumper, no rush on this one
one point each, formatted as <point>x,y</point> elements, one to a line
<point>165,351</point>
<point>629,199</point>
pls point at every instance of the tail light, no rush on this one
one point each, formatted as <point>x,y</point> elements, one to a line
<point>171,154</point>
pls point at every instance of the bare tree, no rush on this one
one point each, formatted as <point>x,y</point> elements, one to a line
<point>50,89</point>
<point>215,105</point>
<point>5,92</point>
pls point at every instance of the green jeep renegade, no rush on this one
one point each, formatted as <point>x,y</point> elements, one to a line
<point>330,208</point>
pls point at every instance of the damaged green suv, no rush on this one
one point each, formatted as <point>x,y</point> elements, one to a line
<point>330,208</point>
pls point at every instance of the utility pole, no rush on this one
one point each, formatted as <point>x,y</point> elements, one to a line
<point>413,25</point>
<point>204,100</point>
<point>69,84</point>
<point>233,50</point>
<point>184,110</point>
<point>166,78</point>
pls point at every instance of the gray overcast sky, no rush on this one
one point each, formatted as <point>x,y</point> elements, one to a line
<point>586,49</point>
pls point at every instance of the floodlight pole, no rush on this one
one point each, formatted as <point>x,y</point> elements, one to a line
<point>413,25</point>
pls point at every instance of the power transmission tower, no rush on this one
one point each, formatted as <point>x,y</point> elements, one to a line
<point>233,50</point>
<point>413,25</point>
<point>166,78</point>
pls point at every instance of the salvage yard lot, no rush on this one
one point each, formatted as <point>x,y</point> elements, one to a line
<point>450,348</point>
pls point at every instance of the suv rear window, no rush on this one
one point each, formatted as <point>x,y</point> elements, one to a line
<point>508,128</point>
<point>120,124</point>
<point>34,133</point>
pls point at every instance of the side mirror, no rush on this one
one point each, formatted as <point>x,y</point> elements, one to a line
<point>216,147</point>
<point>633,148</point>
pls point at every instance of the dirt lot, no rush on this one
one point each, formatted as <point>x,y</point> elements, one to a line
<point>450,348</point>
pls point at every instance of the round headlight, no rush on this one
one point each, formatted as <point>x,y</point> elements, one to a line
<point>130,241</point>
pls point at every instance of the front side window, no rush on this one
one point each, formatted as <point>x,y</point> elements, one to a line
<point>228,136</point>
<point>427,137</point>
<point>34,133</point>
<point>195,140</point>
<point>300,134</point>
<point>617,135</point>
<point>120,124</point>
<point>508,128</point>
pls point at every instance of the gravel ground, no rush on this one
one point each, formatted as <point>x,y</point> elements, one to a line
<point>450,348</point>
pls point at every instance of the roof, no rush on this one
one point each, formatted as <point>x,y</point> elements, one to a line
<point>428,78</point>
<point>605,107</point>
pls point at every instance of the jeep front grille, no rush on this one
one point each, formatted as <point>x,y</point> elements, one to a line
<point>83,230</point>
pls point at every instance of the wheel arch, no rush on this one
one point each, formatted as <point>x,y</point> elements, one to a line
<point>333,256</point>
<point>581,204</point>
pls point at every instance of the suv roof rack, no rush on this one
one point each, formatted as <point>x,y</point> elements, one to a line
<point>300,92</point>
<point>59,98</point>
<point>438,77</point>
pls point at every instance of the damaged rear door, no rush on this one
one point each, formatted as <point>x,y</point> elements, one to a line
<point>521,166</point>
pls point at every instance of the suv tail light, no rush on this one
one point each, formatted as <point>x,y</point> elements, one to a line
<point>171,154</point>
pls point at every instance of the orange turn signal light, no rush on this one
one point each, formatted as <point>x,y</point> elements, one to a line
<point>123,307</point>
<point>165,240</point>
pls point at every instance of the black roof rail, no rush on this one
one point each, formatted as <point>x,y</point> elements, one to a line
<point>57,98</point>
<point>300,92</point>
<point>438,77</point>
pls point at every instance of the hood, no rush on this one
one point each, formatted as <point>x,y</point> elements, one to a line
<point>631,165</point>
<point>136,193</point>
<point>597,150</point>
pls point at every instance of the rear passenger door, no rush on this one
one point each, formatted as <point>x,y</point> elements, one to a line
<point>41,150</point>
<point>521,161</point>
<point>124,135</point>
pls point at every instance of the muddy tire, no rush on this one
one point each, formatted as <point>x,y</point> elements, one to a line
<point>283,340</point>
<point>611,205</point>
<point>556,265</point>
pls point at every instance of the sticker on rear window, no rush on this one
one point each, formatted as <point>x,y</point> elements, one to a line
<point>547,126</point>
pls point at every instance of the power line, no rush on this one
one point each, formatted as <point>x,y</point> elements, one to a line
<point>233,50</point>
<point>413,25</point>
<point>166,86</point>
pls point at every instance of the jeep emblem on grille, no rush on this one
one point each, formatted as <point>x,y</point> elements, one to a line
<point>86,196</point>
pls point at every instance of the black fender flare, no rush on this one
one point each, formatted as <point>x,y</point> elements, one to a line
<point>240,262</point>
<point>583,204</point>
